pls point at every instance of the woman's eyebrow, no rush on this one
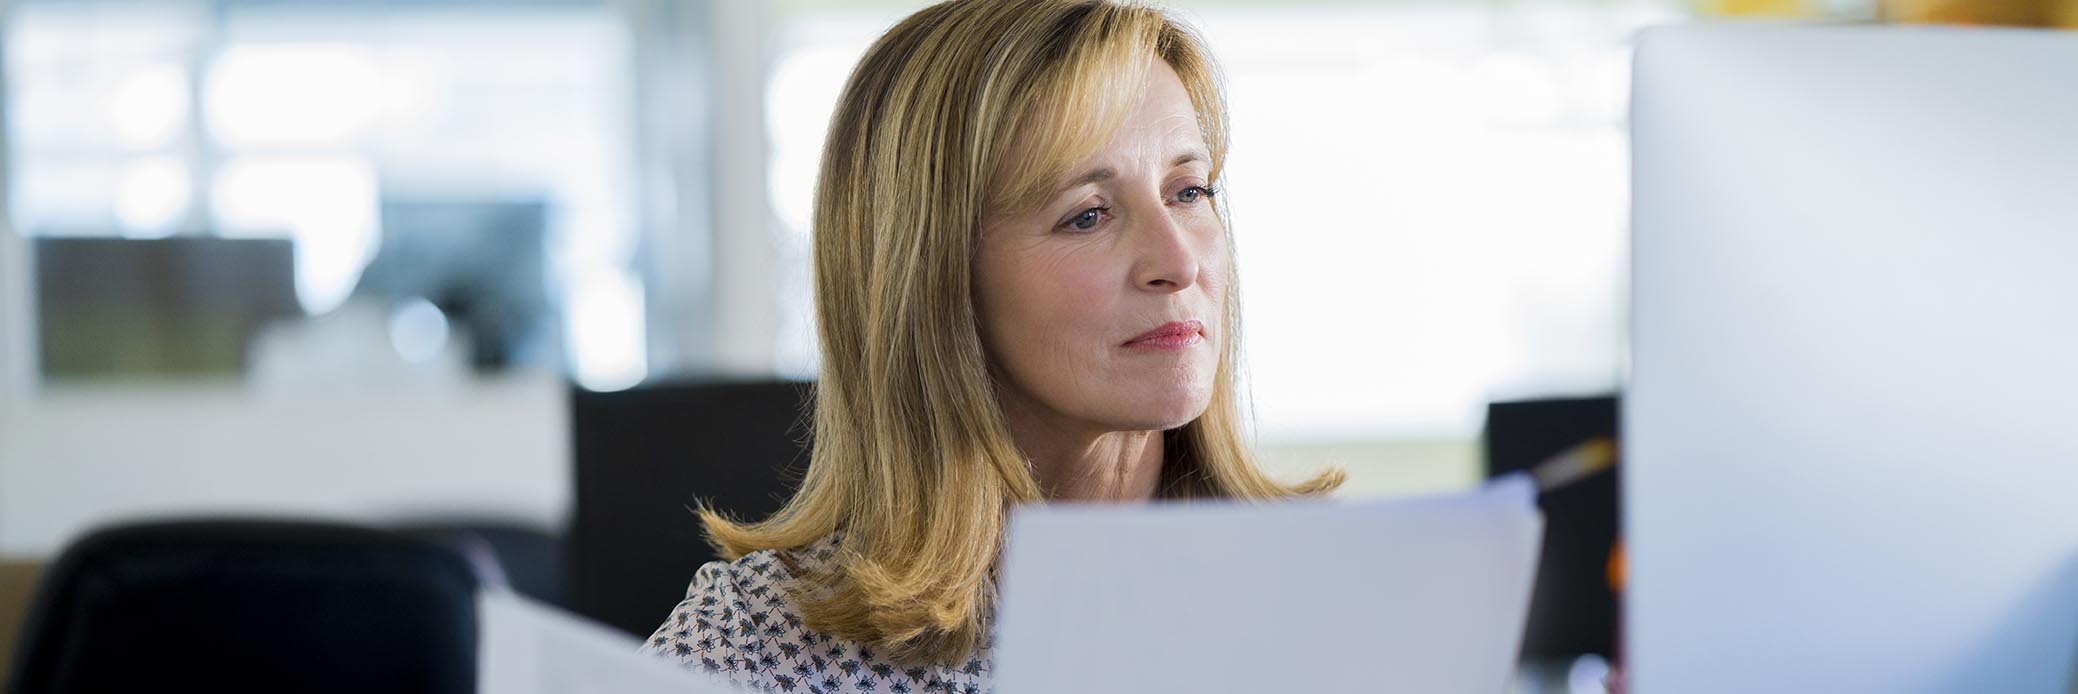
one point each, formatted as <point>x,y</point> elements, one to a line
<point>1107,173</point>
<point>1094,176</point>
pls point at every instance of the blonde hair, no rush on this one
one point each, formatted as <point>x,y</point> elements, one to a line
<point>912,457</point>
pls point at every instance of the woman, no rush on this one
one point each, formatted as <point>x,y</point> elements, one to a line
<point>1025,293</point>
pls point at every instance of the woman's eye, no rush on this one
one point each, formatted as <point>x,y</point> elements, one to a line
<point>1088,219</point>
<point>1193,194</point>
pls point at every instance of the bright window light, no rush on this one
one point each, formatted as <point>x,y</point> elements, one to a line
<point>607,339</point>
<point>153,196</point>
<point>291,94</point>
<point>151,106</point>
<point>326,204</point>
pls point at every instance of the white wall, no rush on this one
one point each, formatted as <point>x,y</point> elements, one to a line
<point>16,344</point>
<point>746,275</point>
<point>70,459</point>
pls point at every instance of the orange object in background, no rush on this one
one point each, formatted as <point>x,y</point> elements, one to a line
<point>1761,8</point>
<point>1619,572</point>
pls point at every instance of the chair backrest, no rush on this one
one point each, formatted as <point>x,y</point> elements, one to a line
<point>251,605</point>
<point>504,553</point>
<point>1573,610</point>
<point>645,456</point>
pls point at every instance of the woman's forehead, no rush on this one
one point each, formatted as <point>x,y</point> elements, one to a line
<point>1148,120</point>
<point>1164,106</point>
<point>1162,130</point>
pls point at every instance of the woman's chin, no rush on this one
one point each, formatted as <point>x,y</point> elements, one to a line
<point>1165,408</point>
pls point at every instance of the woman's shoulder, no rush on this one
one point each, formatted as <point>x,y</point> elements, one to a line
<point>732,604</point>
<point>763,576</point>
<point>739,623</point>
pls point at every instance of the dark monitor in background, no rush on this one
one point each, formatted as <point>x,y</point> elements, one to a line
<point>1572,607</point>
<point>483,263</point>
<point>644,457</point>
<point>179,306</point>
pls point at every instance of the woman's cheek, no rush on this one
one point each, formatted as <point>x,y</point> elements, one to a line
<point>1073,290</point>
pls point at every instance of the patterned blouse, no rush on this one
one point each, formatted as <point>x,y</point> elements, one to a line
<point>737,624</point>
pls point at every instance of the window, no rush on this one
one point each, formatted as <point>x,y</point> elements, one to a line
<point>440,133</point>
<point>1429,200</point>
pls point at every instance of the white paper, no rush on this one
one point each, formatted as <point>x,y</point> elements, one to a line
<point>525,647</point>
<point>1425,595</point>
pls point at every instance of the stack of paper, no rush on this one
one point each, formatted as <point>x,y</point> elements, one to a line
<point>525,647</point>
<point>1425,595</point>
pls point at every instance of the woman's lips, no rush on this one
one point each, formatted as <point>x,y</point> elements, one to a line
<point>1170,335</point>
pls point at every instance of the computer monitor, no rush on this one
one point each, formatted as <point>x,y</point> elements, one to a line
<point>109,308</point>
<point>1851,427</point>
<point>483,262</point>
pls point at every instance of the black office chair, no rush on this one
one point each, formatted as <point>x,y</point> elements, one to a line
<point>1573,611</point>
<point>644,457</point>
<point>251,605</point>
<point>505,554</point>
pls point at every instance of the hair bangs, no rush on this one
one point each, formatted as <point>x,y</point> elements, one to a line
<point>1075,102</point>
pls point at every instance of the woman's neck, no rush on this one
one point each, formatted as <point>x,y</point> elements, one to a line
<point>1080,464</point>
<point>1118,466</point>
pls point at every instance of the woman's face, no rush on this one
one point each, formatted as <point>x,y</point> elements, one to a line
<point>1128,246</point>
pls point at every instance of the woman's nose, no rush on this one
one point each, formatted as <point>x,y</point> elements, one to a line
<point>1167,254</point>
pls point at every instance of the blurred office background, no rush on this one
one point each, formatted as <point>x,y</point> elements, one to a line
<point>370,260</point>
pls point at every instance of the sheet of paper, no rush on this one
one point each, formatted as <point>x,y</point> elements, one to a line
<point>525,647</point>
<point>1425,595</point>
